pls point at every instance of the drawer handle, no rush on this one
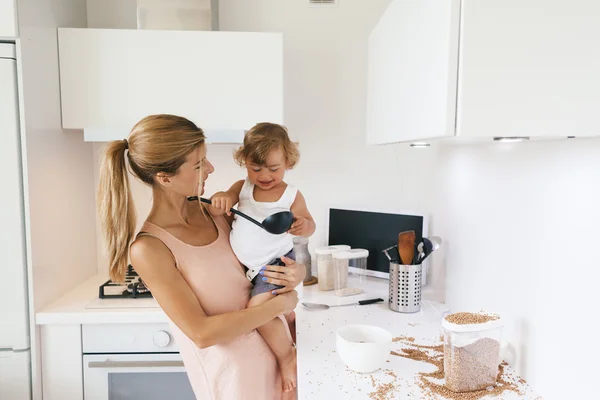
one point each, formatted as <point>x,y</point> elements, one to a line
<point>135,364</point>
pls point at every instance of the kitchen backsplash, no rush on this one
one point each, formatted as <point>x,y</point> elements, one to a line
<point>520,224</point>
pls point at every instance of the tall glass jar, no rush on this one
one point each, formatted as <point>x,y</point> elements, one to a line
<point>303,255</point>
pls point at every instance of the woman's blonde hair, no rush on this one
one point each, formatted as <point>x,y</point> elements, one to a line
<point>261,139</point>
<point>157,143</point>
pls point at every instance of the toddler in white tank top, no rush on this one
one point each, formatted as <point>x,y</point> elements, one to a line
<point>267,153</point>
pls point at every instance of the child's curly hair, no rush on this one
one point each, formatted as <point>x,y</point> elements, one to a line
<point>261,139</point>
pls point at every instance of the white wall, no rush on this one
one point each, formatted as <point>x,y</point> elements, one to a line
<point>521,226</point>
<point>112,14</point>
<point>324,109</point>
<point>59,176</point>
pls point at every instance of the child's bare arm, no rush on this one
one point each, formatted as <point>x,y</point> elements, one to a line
<point>304,224</point>
<point>223,201</point>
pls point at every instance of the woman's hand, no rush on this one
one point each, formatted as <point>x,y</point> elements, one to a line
<point>287,301</point>
<point>289,276</point>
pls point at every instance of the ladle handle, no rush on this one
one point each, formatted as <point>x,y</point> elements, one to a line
<point>233,210</point>
<point>370,301</point>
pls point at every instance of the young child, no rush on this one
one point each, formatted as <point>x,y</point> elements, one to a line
<point>267,153</point>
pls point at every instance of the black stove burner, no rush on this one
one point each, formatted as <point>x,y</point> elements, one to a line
<point>138,288</point>
<point>133,287</point>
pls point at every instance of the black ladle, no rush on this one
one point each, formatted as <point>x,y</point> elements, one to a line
<point>276,224</point>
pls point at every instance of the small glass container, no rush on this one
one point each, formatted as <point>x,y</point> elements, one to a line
<point>303,255</point>
<point>471,352</point>
<point>325,264</point>
<point>349,271</point>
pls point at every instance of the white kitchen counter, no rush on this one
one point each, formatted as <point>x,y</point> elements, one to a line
<point>82,306</point>
<point>322,374</point>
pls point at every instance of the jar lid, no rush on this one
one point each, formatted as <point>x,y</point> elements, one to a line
<point>352,254</point>
<point>495,322</point>
<point>331,249</point>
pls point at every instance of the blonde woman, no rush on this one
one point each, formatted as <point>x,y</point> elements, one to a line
<point>183,255</point>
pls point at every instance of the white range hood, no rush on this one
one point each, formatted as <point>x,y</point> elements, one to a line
<point>225,82</point>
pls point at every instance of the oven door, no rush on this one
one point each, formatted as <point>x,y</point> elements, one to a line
<point>135,377</point>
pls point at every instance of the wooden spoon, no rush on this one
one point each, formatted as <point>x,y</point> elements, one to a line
<point>406,246</point>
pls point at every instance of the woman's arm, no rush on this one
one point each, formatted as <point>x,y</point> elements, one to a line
<point>156,266</point>
<point>304,224</point>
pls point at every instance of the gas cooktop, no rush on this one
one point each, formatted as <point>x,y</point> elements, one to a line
<point>132,288</point>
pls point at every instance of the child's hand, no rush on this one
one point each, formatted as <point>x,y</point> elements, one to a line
<point>301,227</point>
<point>222,201</point>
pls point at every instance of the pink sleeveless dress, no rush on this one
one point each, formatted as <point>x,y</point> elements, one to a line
<point>245,369</point>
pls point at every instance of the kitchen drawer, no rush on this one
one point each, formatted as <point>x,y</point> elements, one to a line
<point>128,338</point>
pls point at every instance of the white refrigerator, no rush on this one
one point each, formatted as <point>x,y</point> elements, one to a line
<point>15,358</point>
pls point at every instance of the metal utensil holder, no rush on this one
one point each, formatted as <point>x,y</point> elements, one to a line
<point>405,288</point>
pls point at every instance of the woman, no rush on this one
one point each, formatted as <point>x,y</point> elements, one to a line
<point>184,257</point>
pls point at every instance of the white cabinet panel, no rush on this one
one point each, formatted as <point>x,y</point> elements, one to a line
<point>14,321</point>
<point>62,371</point>
<point>8,18</point>
<point>223,81</point>
<point>529,68</point>
<point>413,54</point>
<point>484,68</point>
<point>15,375</point>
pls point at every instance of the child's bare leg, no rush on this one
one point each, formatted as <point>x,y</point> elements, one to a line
<point>274,334</point>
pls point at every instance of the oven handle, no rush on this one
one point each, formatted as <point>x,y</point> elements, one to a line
<point>135,364</point>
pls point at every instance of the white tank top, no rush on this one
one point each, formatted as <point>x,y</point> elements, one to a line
<point>252,245</point>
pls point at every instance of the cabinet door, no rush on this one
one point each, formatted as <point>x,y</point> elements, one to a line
<point>62,367</point>
<point>8,17</point>
<point>529,68</point>
<point>223,81</point>
<point>15,370</point>
<point>412,69</point>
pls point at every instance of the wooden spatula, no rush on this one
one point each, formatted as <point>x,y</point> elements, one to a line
<point>406,246</point>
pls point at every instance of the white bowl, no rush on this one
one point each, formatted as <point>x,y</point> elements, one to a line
<point>363,348</point>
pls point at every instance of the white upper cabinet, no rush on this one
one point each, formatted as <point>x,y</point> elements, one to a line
<point>225,82</point>
<point>8,18</point>
<point>484,68</point>
<point>529,68</point>
<point>413,53</point>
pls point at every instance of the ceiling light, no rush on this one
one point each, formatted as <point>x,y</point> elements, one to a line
<point>510,139</point>
<point>419,145</point>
